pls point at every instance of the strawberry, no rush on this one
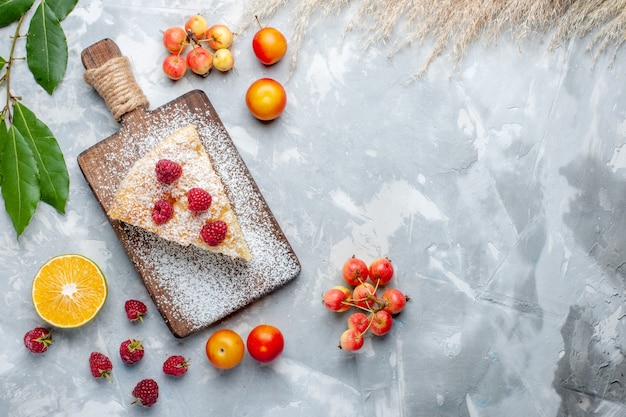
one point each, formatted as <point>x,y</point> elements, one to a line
<point>198,200</point>
<point>135,310</point>
<point>38,339</point>
<point>162,211</point>
<point>214,233</point>
<point>167,171</point>
<point>131,351</point>
<point>100,365</point>
<point>146,392</point>
<point>175,365</point>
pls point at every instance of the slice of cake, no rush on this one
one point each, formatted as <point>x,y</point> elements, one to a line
<point>174,191</point>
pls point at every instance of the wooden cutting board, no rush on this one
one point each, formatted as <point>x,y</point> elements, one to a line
<point>191,288</point>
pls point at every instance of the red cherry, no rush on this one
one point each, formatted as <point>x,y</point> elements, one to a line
<point>354,271</point>
<point>381,271</point>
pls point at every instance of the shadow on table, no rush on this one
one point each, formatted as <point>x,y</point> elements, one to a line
<point>590,377</point>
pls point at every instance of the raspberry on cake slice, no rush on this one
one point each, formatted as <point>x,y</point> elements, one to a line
<point>214,232</point>
<point>174,192</point>
<point>198,200</point>
<point>167,171</point>
<point>162,211</point>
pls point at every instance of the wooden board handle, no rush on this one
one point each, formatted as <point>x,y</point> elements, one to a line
<point>110,74</point>
<point>99,53</point>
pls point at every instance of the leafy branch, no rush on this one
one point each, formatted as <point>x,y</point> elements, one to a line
<point>32,166</point>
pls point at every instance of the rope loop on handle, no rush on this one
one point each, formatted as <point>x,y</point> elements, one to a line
<point>116,84</point>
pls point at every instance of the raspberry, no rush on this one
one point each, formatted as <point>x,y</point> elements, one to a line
<point>135,310</point>
<point>167,171</point>
<point>37,340</point>
<point>162,211</point>
<point>175,365</point>
<point>131,351</point>
<point>100,365</point>
<point>214,233</point>
<point>198,200</point>
<point>146,392</point>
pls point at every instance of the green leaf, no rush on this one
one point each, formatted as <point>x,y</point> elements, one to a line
<point>3,62</point>
<point>61,8</point>
<point>46,48</point>
<point>54,181</point>
<point>20,185</point>
<point>12,10</point>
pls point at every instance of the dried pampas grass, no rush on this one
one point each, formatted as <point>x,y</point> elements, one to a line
<point>456,24</point>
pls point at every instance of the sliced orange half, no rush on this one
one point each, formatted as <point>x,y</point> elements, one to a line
<point>69,291</point>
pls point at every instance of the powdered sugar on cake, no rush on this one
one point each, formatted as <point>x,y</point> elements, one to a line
<point>139,191</point>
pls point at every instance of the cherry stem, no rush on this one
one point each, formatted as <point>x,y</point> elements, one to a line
<point>351,304</point>
<point>192,38</point>
<point>379,302</point>
<point>195,42</point>
<point>256,17</point>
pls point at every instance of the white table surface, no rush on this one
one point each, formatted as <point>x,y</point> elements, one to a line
<point>497,188</point>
